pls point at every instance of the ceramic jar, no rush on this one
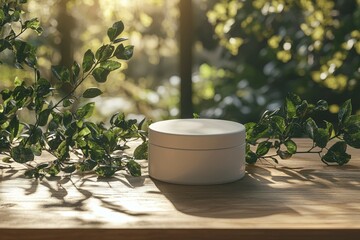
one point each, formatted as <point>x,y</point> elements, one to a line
<point>196,151</point>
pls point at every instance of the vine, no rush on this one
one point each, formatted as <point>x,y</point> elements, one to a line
<point>75,142</point>
<point>276,130</point>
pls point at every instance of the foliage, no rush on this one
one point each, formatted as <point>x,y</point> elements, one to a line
<point>75,142</point>
<point>272,47</point>
<point>142,86</point>
<point>276,130</point>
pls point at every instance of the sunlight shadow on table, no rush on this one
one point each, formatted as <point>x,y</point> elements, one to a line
<point>264,191</point>
<point>232,200</point>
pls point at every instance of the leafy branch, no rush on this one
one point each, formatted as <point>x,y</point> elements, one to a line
<point>75,142</point>
<point>276,130</point>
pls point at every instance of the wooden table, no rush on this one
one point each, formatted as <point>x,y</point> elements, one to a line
<point>298,198</point>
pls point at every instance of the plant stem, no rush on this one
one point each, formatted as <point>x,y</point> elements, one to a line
<point>309,151</point>
<point>62,99</point>
<point>76,86</point>
<point>17,35</point>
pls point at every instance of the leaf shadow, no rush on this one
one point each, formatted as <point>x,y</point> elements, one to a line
<point>59,189</point>
<point>264,191</point>
<point>232,200</point>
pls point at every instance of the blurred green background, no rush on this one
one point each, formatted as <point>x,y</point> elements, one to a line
<point>247,55</point>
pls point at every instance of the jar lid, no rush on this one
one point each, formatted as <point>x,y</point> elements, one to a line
<point>200,134</point>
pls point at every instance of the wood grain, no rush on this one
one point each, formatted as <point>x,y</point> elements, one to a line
<point>297,198</point>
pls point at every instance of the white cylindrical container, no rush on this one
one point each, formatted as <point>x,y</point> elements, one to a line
<point>196,151</point>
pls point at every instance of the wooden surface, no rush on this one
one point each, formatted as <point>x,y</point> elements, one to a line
<point>298,198</point>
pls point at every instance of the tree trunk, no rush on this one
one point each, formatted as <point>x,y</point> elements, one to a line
<point>186,42</point>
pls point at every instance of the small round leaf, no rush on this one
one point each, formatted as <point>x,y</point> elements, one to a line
<point>88,60</point>
<point>290,146</point>
<point>134,168</point>
<point>21,154</point>
<point>251,157</point>
<point>92,92</point>
<point>100,74</point>
<point>263,148</point>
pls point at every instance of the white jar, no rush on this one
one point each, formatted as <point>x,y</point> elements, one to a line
<point>196,151</point>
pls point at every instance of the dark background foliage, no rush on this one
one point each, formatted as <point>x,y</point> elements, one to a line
<point>247,54</point>
<point>271,48</point>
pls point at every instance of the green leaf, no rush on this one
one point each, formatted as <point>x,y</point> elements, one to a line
<point>36,149</point>
<point>353,139</point>
<point>352,124</point>
<point>69,169</point>
<point>283,154</point>
<point>322,105</point>
<point>290,108</point>
<point>263,148</point>
<point>21,95</point>
<point>25,53</point>
<point>22,154</point>
<point>67,119</point>
<point>302,109</point>
<point>249,132</point>
<point>259,130</point>
<point>104,52</point>
<point>75,68</point>
<point>330,129</point>
<point>17,82</point>
<point>36,136</point>
<point>352,131</point>
<point>114,31</point>
<point>61,73</point>
<point>311,127</point>
<point>42,166</point>
<point>43,88</point>
<point>43,117</point>
<point>53,170</point>
<point>345,111</point>
<point>85,131</point>
<point>85,111</point>
<point>141,151</point>
<point>134,168</point>
<point>93,127</point>
<point>251,157</point>
<point>110,65</point>
<point>6,94</point>
<point>290,146</point>
<point>321,137</point>
<point>100,74</point>
<point>15,16</point>
<point>337,154</point>
<point>92,92</point>
<point>196,116</point>
<point>119,40</point>
<point>105,171</point>
<point>68,102</point>
<point>2,16</point>
<point>124,53</point>
<point>30,173</point>
<point>278,124</point>
<point>88,60</point>
<point>14,127</point>
<point>87,165</point>
<point>5,44</point>
<point>294,98</point>
<point>62,151</point>
<point>34,24</point>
